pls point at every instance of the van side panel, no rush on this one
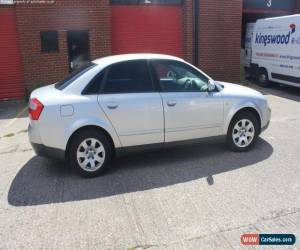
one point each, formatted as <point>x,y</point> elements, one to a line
<point>276,47</point>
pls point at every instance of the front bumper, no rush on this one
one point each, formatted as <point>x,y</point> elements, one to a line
<point>265,127</point>
<point>268,118</point>
<point>48,152</point>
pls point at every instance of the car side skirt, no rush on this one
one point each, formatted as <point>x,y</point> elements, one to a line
<point>59,154</point>
<point>157,146</point>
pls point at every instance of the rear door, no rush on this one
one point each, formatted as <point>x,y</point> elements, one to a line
<point>131,103</point>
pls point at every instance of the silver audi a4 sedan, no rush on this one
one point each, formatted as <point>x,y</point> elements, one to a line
<point>137,101</point>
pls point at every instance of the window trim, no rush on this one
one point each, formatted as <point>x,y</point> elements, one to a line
<point>107,69</point>
<point>43,51</point>
<point>61,85</point>
<point>101,72</point>
<point>174,61</point>
<point>154,77</point>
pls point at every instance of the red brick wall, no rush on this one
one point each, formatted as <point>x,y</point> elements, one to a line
<point>63,15</point>
<point>220,35</point>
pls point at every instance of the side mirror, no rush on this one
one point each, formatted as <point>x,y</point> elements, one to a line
<point>211,86</point>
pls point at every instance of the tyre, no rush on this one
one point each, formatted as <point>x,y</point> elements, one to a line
<point>90,152</point>
<point>263,78</point>
<point>243,132</point>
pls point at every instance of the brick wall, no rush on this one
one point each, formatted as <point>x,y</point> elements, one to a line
<point>63,15</point>
<point>219,41</point>
<point>219,28</point>
<point>219,35</point>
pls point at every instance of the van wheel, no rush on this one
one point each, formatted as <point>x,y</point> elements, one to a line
<point>263,78</point>
<point>90,152</point>
<point>243,132</point>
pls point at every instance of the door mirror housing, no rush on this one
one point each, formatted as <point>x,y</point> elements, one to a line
<point>211,86</point>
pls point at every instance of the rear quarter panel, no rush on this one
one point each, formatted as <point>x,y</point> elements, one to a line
<point>56,129</point>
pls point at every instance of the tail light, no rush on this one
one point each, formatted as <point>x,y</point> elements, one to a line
<point>35,108</point>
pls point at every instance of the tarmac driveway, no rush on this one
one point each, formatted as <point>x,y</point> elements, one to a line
<point>195,197</point>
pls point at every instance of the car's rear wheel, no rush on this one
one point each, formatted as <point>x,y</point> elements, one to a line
<point>90,152</point>
<point>243,132</point>
<point>263,78</point>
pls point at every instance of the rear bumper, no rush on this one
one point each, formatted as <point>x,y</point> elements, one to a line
<point>40,148</point>
<point>48,152</point>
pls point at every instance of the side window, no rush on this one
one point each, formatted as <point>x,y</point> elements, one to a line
<point>175,76</point>
<point>128,77</point>
<point>93,87</point>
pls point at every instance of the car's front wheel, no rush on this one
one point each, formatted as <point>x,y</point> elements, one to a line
<point>90,152</point>
<point>243,132</point>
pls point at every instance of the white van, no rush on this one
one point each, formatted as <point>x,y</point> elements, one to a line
<point>248,44</point>
<point>276,50</point>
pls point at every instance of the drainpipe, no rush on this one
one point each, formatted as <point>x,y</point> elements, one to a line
<point>196,32</point>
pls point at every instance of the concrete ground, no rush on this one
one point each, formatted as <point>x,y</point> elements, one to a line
<point>196,197</point>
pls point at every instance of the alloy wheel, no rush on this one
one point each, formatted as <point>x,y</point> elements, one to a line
<point>243,133</point>
<point>90,154</point>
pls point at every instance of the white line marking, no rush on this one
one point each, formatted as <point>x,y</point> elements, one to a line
<point>16,118</point>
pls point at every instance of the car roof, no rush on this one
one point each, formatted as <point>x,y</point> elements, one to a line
<point>105,61</point>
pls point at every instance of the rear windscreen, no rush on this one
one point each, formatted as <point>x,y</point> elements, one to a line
<point>74,75</point>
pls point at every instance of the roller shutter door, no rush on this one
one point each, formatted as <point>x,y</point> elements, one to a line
<point>11,82</point>
<point>147,29</point>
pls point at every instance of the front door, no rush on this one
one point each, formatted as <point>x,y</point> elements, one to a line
<point>191,111</point>
<point>131,104</point>
<point>78,48</point>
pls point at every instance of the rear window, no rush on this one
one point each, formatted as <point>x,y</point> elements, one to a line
<point>74,75</point>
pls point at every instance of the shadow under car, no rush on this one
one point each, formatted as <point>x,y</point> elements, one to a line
<point>44,181</point>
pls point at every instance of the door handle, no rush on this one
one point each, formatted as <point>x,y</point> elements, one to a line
<point>171,103</point>
<point>112,105</point>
